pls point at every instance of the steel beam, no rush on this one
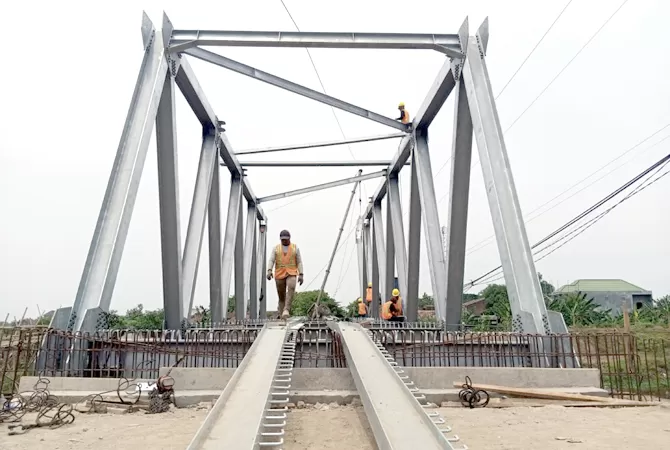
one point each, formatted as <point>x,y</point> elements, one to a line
<point>249,252</point>
<point>397,419</point>
<point>219,311</point>
<point>431,222</point>
<point>390,252</point>
<point>240,285</point>
<point>362,269</point>
<point>195,97</point>
<point>400,249</point>
<point>380,251</point>
<point>236,418</point>
<point>376,259</point>
<point>282,83</point>
<point>320,187</point>
<point>414,248</point>
<point>184,39</point>
<point>253,277</point>
<point>263,268</point>
<point>214,229</point>
<point>523,285</point>
<point>104,255</point>
<point>444,83</point>
<point>168,200</point>
<point>457,216</point>
<point>320,144</point>
<point>315,163</point>
<point>196,223</point>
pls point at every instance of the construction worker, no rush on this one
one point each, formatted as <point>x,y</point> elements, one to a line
<point>288,262</point>
<point>362,308</point>
<point>392,309</point>
<point>368,294</point>
<point>404,115</point>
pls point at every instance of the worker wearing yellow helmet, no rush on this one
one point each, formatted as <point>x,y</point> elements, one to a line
<point>404,115</point>
<point>362,307</point>
<point>392,309</point>
<point>368,294</point>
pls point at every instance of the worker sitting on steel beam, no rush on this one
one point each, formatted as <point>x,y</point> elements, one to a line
<point>362,308</point>
<point>392,309</point>
<point>288,262</point>
<point>404,115</point>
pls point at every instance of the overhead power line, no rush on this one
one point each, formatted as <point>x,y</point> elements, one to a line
<point>659,164</point>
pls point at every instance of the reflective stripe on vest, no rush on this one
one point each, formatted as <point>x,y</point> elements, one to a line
<point>285,264</point>
<point>362,310</point>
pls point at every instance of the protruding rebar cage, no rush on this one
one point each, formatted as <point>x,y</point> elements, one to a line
<point>243,246</point>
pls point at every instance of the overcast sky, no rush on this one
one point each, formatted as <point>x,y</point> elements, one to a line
<point>70,68</point>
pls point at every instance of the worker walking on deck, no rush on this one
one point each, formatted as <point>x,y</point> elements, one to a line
<point>392,309</point>
<point>404,115</point>
<point>287,263</point>
<point>368,295</point>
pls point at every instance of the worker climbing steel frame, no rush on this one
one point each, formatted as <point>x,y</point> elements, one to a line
<point>165,65</point>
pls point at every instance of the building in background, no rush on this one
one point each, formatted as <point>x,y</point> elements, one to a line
<point>610,294</point>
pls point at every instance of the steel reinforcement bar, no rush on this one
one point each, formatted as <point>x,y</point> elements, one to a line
<point>252,410</point>
<point>396,409</point>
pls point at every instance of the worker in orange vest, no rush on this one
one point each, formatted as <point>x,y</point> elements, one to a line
<point>368,294</point>
<point>392,309</point>
<point>362,308</point>
<point>288,266</point>
<point>404,115</point>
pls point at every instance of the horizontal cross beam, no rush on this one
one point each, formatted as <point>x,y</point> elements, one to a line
<point>320,187</point>
<point>290,86</point>
<point>321,144</point>
<point>354,163</point>
<point>444,43</point>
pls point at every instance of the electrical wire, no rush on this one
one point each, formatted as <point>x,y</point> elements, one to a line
<point>489,240</point>
<point>659,164</point>
<point>346,239</point>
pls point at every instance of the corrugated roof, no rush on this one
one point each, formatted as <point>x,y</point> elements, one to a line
<point>600,285</point>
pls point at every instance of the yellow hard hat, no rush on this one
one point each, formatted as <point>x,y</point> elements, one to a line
<point>401,105</point>
<point>369,284</point>
<point>395,293</point>
<point>359,299</point>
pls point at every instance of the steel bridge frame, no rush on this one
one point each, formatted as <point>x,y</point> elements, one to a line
<point>382,250</point>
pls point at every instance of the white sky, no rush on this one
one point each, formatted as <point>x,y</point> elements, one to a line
<point>68,76</point>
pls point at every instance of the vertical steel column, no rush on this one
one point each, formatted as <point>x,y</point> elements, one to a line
<point>196,224</point>
<point>263,265</point>
<point>414,252</point>
<point>240,303</point>
<point>431,222</point>
<point>249,238</point>
<point>367,245</point>
<point>457,219</point>
<point>375,258</point>
<point>104,255</point>
<point>362,263</point>
<point>214,229</point>
<point>253,276</point>
<point>390,251</point>
<point>380,250</point>
<point>400,250</point>
<point>168,199</point>
<point>220,310</point>
<point>523,285</point>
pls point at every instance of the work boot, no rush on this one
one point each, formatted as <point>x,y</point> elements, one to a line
<point>285,315</point>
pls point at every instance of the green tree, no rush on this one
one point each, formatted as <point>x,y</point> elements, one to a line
<point>467,297</point>
<point>137,319</point>
<point>303,301</point>
<point>547,288</point>
<point>426,302</point>
<point>497,303</point>
<point>579,311</point>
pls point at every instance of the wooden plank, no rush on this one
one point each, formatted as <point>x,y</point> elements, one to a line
<point>535,393</point>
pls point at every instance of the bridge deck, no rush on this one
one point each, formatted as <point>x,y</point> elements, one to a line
<point>397,419</point>
<point>235,420</point>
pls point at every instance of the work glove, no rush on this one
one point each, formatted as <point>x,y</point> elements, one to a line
<point>300,279</point>
<point>269,274</point>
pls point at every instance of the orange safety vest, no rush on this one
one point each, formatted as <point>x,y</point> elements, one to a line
<point>286,264</point>
<point>386,309</point>
<point>368,294</point>
<point>362,308</point>
<point>405,116</point>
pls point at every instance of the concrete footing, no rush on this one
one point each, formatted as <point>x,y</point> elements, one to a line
<point>327,385</point>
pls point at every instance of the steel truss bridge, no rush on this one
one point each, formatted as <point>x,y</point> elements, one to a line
<point>252,407</point>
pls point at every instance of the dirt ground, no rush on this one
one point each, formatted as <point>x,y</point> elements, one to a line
<point>326,427</point>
